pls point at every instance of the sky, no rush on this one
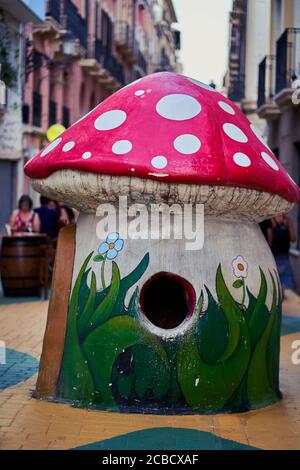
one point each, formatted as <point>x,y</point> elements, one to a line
<point>37,6</point>
<point>204,33</point>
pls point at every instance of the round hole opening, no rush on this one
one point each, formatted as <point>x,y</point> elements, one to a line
<point>167,300</point>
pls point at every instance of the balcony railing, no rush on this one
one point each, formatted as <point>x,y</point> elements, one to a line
<point>36,109</point>
<point>236,90</point>
<point>66,117</point>
<point>53,8</point>
<point>98,50</point>
<point>162,63</point>
<point>75,23</point>
<point>123,33</point>
<point>104,56</point>
<point>287,59</point>
<point>142,62</point>
<point>52,112</point>
<point>266,80</point>
<point>124,39</point>
<point>67,15</point>
<point>111,64</point>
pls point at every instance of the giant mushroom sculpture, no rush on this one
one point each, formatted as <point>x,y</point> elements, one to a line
<point>144,323</point>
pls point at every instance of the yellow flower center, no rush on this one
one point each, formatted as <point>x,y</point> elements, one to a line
<point>111,246</point>
<point>241,267</point>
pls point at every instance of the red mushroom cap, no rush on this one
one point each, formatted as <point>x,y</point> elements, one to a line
<point>169,128</point>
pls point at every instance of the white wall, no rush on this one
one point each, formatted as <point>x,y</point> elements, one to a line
<point>296,16</point>
<point>258,33</point>
<point>277,20</point>
<point>11,118</point>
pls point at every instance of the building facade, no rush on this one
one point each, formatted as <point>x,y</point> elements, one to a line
<point>234,80</point>
<point>13,15</point>
<point>279,93</point>
<point>248,43</point>
<point>85,50</point>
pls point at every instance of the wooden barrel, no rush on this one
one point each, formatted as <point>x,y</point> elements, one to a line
<point>22,264</point>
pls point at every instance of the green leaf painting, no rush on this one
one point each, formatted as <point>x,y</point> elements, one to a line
<point>227,360</point>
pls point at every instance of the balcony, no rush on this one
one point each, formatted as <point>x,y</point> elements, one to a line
<point>277,75</point>
<point>287,65</point>
<point>75,23</point>
<point>267,108</point>
<point>163,63</point>
<point>125,41</point>
<point>142,62</point>
<point>53,9</point>
<point>36,109</point>
<point>50,27</point>
<point>62,16</point>
<point>104,66</point>
<point>236,91</point>
<point>98,50</point>
<point>115,69</point>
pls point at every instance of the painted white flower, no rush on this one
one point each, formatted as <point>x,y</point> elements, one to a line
<point>111,246</point>
<point>240,267</point>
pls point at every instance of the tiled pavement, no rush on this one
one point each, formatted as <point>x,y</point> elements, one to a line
<point>27,423</point>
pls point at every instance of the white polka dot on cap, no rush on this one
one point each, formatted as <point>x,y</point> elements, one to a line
<point>159,162</point>
<point>270,161</point>
<point>235,133</point>
<point>86,155</point>
<point>187,144</point>
<point>110,120</point>
<point>51,146</point>
<point>68,146</point>
<point>121,147</point>
<point>226,107</point>
<point>178,107</point>
<point>241,159</point>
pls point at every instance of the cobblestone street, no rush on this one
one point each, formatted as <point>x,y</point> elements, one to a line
<point>27,423</point>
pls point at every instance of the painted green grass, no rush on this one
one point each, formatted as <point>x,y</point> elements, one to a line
<point>228,360</point>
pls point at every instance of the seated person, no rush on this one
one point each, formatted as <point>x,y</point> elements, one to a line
<point>49,218</point>
<point>24,219</point>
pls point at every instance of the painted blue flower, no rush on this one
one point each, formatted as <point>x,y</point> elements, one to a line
<point>111,246</point>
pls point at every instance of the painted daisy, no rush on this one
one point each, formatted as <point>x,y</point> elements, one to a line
<point>111,246</point>
<point>240,267</point>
